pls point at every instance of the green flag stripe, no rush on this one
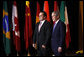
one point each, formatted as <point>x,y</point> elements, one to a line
<point>62,10</point>
<point>6,42</point>
<point>5,6</point>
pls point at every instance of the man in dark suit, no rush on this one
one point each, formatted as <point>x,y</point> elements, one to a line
<point>58,35</point>
<point>42,35</point>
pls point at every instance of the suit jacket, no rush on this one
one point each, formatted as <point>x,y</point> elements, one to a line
<point>44,36</point>
<point>58,36</point>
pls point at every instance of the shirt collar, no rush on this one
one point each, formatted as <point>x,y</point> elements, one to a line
<point>57,21</point>
<point>42,21</point>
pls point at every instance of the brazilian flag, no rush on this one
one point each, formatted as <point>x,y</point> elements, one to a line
<point>6,32</point>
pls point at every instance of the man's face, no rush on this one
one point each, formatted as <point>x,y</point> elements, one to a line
<point>41,16</point>
<point>53,16</point>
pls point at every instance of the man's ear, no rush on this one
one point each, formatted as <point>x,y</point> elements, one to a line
<point>58,16</point>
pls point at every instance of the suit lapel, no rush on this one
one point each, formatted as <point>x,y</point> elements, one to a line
<point>42,25</point>
<point>57,25</point>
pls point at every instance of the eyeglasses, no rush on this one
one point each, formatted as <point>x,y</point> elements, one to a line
<point>53,15</point>
<point>40,15</point>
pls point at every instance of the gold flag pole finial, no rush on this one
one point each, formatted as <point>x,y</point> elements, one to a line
<point>27,3</point>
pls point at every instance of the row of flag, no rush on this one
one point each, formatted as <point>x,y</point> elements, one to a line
<point>28,32</point>
<point>63,16</point>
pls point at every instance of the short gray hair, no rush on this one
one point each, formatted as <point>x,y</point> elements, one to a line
<point>56,12</point>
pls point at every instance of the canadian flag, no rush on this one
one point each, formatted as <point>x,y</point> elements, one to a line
<point>16,32</point>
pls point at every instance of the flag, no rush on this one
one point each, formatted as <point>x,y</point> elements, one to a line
<point>62,11</point>
<point>68,37</point>
<point>81,12</point>
<point>6,30</point>
<point>16,32</point>
<point>64,18</point>
<point>46,9</point>
<point>55,6</point>
<point>38,11</point>
<point>28,26</point>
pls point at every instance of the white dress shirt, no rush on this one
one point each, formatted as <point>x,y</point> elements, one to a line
<point>40,25</point>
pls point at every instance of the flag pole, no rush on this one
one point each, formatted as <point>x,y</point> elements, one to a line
<point>7,55</point>
<point>28,53</point>
<point>17,54</point>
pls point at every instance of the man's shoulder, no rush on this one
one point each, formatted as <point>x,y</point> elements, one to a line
<point>62,23</point>
<point>37,24</point>
<point>47,22</point>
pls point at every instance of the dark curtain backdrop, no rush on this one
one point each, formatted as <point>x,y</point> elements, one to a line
<point>73,13</point>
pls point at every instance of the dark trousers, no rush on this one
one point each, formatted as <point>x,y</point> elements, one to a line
<point>59,54</point>
<point>41,52</point>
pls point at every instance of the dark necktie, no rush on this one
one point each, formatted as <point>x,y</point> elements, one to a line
<point>54,27</point>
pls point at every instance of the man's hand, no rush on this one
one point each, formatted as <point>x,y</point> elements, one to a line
<point>59,49</point>
<point>43,46</point>
<point>34,45</point>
